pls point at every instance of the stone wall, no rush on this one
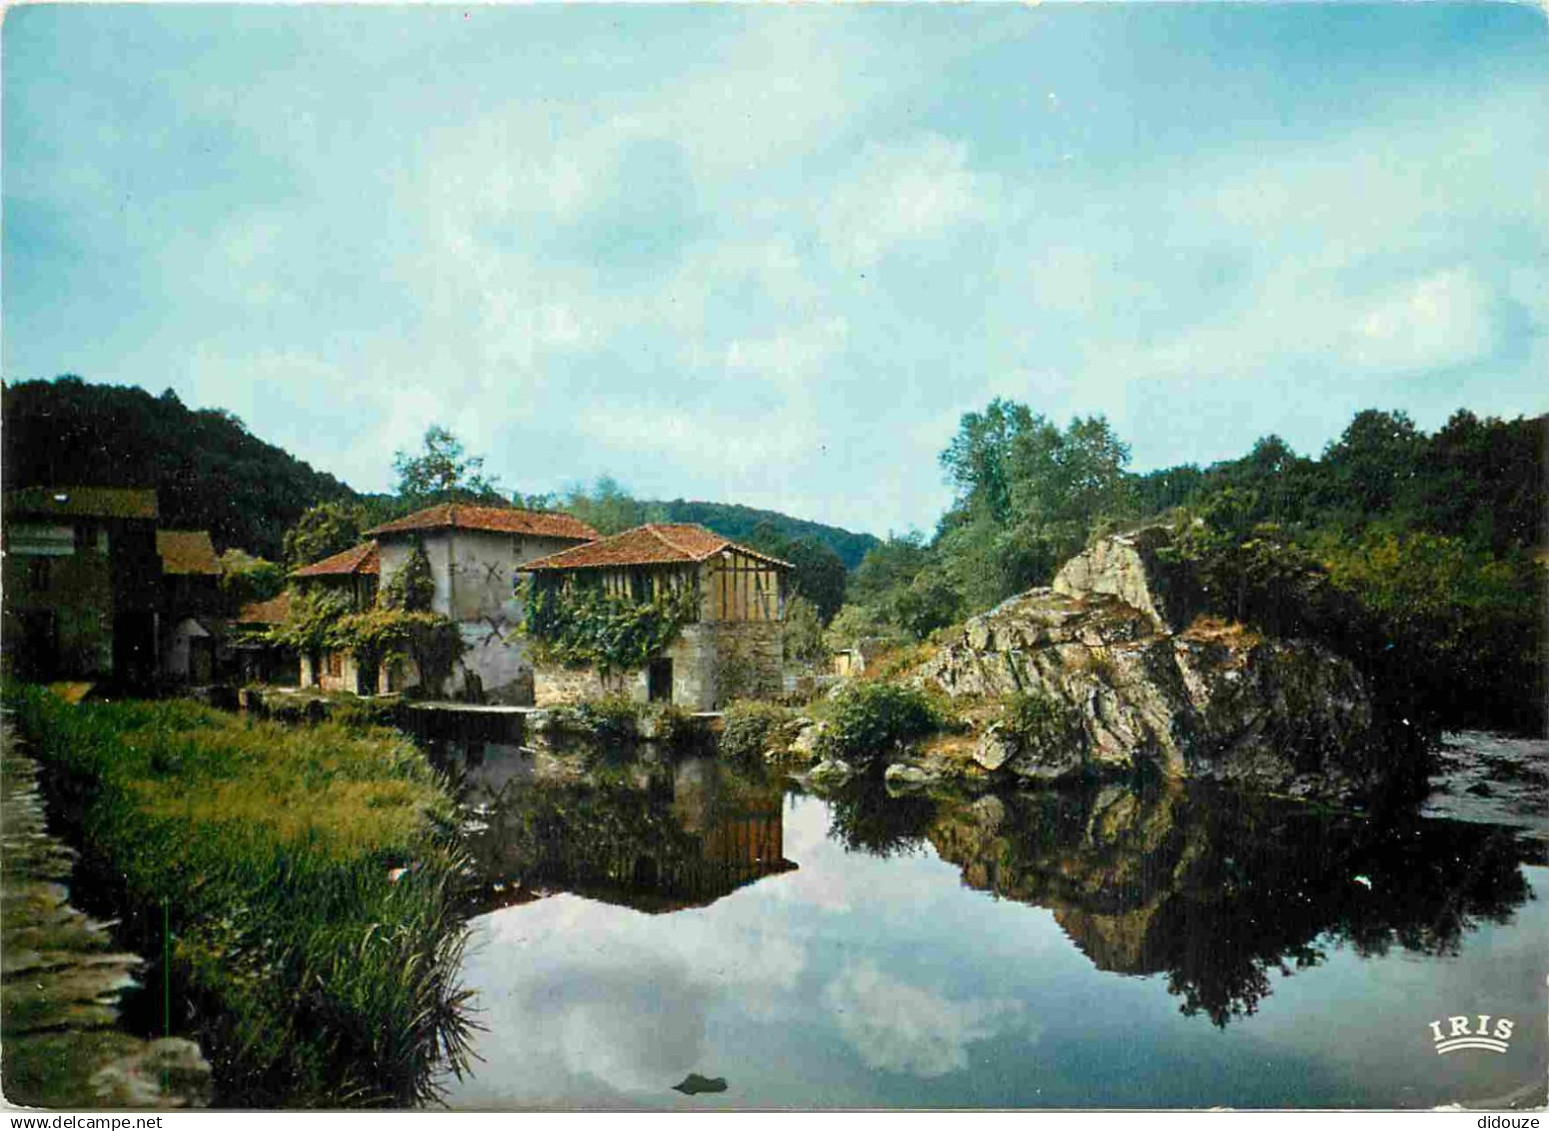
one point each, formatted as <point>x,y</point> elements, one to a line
<point>553,685</point>
<point>712,664</point>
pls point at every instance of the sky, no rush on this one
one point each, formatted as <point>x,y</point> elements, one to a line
<point>770,254</point>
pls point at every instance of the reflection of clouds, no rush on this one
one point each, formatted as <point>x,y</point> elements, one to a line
<point>589,1003</point>
<point>897,1027</point>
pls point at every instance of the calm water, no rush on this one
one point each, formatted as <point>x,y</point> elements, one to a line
<point>643,920</point>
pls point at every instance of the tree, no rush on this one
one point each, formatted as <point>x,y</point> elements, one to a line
<point>819,573</point>
<point>323,530</point>
<point>443,473</point>
<point>608,507</point>
<point>245,578</point>
<point>978,460</point>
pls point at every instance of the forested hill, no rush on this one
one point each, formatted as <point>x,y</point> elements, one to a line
<point>209,472</point>
<point>737,522</point>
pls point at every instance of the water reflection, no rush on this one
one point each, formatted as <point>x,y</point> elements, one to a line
<point>965,951</point>
<point>651,834</point>
<point>1217,890</point>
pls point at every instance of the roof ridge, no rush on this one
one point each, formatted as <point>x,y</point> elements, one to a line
<point>655,528</point>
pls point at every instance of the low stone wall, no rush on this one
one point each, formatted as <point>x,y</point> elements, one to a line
<point>712,664</point>
<point>553,686</point>
<point>62,978</point>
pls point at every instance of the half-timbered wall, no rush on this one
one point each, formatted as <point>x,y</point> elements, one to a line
<point>740,587</point>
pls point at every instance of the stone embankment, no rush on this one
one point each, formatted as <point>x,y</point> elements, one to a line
<point>61,977</point>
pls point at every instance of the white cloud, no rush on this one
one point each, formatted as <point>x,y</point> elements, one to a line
<point>898,1027</point>
<point>900,193</point>
<point>1441,320</point>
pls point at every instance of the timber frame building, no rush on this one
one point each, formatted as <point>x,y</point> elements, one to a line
<point>733,650</point>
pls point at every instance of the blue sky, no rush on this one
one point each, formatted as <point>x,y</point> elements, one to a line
<point>770,254</point>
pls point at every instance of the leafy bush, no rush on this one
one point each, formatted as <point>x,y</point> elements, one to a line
<point>750,727</point>
<point>413,587</point>
<point>669,723</point>
<point>308,877</point>
<point>1042,726</point>
<point>868,719</point>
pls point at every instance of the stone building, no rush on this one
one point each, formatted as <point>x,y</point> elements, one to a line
<point>475,554</point>
<point>81,583</point>
<point>733,650</point>
<point>190,616</point>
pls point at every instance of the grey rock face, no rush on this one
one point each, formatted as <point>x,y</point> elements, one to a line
<point>1106,647</point>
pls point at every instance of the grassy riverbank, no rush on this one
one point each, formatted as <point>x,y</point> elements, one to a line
<point>306,874</point>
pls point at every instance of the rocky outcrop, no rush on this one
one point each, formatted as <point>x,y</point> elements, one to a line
<point>1140,682</point>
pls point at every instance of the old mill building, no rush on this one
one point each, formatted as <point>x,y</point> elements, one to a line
<point>733,649</point>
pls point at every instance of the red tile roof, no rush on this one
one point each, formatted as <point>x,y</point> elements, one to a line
<point>360,559</point>
<point>91,502</point>
<point>272,611</point>
<point>504,520</point>
<point>653,544</point>
<point>187,552</point>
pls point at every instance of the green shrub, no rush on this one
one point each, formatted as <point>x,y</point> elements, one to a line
<point>1042,726</point>
<point>308,879</point>
<point>670,723</point>
<point>868,719</point>
<point>750,726</point>
<point>611,719</point>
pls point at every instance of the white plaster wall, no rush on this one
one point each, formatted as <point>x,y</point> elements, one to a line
<point>475,575</point>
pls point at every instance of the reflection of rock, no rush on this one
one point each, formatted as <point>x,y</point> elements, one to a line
<point>902,777</point>
<point>830,773</point>
<point>1217,890</point>
<point>1114,644</point>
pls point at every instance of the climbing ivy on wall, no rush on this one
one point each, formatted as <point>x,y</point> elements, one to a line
<point>582,627</point>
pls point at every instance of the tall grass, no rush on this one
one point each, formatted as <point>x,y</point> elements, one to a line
<point>308,877</point>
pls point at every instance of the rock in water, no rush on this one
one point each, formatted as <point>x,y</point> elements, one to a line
<point>694,1083</point>
<point>1116,646</point>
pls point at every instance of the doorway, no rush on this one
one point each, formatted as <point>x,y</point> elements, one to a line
<point>659,681</point>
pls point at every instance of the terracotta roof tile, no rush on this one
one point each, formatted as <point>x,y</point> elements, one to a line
<point>187,552</point>
<point>505,520</point>
<point>272,611</point>
<point>91,502</point>
<point>653,544</point>
<point>361,559</point>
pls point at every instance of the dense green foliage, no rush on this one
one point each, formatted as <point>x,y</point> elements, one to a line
<point>412,588</point>
<point>209,472</point>
<point>869,719</point>
<point>322,531</point>
<point>245,578</point>
<point>308,879</point>
<point>582,626</point>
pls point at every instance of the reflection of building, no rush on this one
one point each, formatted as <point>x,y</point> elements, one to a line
<point>474,553</point>
<point>649,842</point>
<point>81,581</point>
<point>734,648</point>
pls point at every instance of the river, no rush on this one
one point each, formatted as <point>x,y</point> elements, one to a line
<point>642,918</point>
